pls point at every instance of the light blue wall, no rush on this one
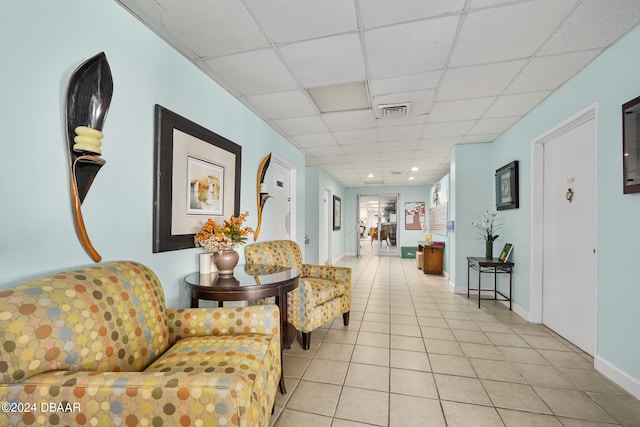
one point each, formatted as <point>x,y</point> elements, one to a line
<point>471,185</point>
<point>39,52</point>
<point>419,193</point>
<point>611,80</point>
<point>316,228</point>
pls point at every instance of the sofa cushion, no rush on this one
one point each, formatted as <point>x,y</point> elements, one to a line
<point>108,317</point>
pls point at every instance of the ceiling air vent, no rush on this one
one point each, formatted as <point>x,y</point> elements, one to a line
<point>393,110</point>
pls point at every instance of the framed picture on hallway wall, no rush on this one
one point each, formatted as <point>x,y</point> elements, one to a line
<point>337,212</point>
<point>197,176</point>
<point>507,186</point>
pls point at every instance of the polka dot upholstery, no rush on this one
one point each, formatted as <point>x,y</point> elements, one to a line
<point>100,343</point>
<point>324,292</point>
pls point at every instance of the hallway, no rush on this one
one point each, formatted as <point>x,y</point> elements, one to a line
<point>415,354</point>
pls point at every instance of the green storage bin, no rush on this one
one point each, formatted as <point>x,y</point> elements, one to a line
<point>409,251</point>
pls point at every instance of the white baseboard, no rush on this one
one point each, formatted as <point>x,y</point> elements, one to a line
<point>624,380</point>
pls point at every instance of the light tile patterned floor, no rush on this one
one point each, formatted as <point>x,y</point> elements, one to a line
<point>415,354</point>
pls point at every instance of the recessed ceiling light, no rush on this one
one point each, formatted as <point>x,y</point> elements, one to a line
<point>370,175</point>
<point>410,178</point>
<point>414,169</point>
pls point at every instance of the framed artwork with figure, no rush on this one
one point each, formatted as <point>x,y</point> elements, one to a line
<point>506,179</point>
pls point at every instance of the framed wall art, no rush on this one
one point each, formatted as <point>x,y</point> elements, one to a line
<point>197,176</point>
<point>631,146</point>
<point>507,186</point>
<point>337,212</point>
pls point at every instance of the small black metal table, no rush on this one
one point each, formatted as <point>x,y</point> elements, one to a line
<point>493,266</point>
<point>249,282</point>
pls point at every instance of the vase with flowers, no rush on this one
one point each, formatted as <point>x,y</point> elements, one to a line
<point>222,239</point>
<point>487,227</point>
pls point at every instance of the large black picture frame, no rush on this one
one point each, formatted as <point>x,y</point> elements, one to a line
<point>337,213</point>
<point>507,186</point>
<point>631,146</point>
<point>177,140</point>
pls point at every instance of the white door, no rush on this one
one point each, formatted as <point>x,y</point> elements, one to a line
<point>569,216</point>
<point>281,204</point>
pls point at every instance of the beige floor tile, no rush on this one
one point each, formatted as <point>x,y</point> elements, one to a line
<point>451,365</point>
<point>520,397</point>
<point>545,343</point>
<point>573,422</point>
<point>530,329</point>
<point>508,340</point>
<point>437,333</point>
<point>294,365</point>
<point>373,339</point>
<point>477,337</point>
<point>496,370</point>
<point>523,355</point>
<point>461,389</point>
<point>290,418</point>
<point>513,418</point>
<point>398,319</point>
<point>315,398</point>
<point>565,359</point>
<point>337,422</point>
<point>368,376</point>
<point>626,410</point>
<point>326,371</point>
<point>335,351</point>
<point>411,411</point>
<point>433,322</point>
<point>375,317</point>
<point>494,327</point>
<point>443,347</point>
<point>407,343</point>
<point>370,355</point>
<point>459,315</point>
<point>466,415</point>
<point>573,404</point>
<point>413,360</point>
<point>341,336</point>
<point>379,327</point>
<point>366,406</point>
<point>592,380</point>
<point>481,351</point>
<point>414,383</point>
<point>544,375</point>
<point>406,330</point>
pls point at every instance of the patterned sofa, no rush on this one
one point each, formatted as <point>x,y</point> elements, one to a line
<point>324,292</point>
<point>97,346</point>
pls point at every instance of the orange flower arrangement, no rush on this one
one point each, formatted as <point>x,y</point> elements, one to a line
<point>220,238</point>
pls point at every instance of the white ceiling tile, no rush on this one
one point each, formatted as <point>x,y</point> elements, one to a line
<point>478,81</point>
<point>594,24</point>
<point>364,156</point>
<point>548,72</point>
<point>475,139</point>
<point>399,133</point>
<point>514,105</point>
<point>491,126</point>
<point>348,120</point>
<point>389,85</point>
<point>421,101</point>
<point>332,160</point>
<point>291,20</point>
<point>311,161</point>
<point>301,126</point>
<point>410,48</point>
<point>458,128</point>
<point>449,111</point>
<point>213,28</point>
<point>356,136</point>
<point>241,73</point>
<point>282,105</point>
<point>404,145</point>
<point>320,151</point>
<point>401,121</point>
<point>361,148</point>
<point>447,142</point>
<point>314,140</point>
<point>508,32</point>
<point>325,61</point>
<point>379,12</point>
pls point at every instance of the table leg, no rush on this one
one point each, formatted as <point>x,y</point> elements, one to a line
<point>281,301</point>
<point>510,291</point>
<point>468,277</point>
<point>495,283</point>
<point>479,277</point>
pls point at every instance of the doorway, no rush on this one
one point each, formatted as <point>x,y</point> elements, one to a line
<point>377,232</point>
<point>564,231</point>
<point>282,206</point>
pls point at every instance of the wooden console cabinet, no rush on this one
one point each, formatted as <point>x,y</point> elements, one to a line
<point>432,258</point>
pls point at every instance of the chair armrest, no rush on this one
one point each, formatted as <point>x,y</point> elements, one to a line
<point>198,322</point>
<point>340,275</point>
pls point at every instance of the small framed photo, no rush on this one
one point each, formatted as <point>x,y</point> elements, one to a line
<point>507,186</point>
<point>506,251</point>
<point>337,212</point>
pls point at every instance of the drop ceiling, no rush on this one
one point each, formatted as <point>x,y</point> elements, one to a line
<point>453,71</point>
